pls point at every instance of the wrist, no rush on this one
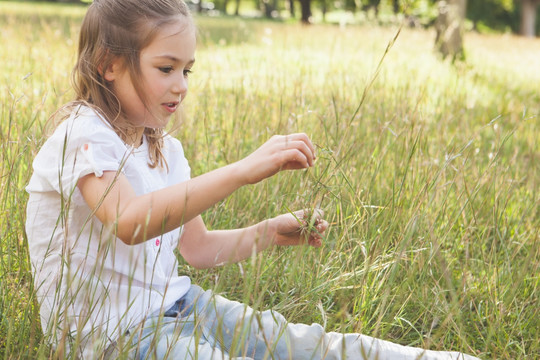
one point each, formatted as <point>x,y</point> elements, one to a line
<point>238,175</point>
<point>267,231</point>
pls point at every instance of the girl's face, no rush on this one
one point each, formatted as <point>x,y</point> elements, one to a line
<point>165,64</point>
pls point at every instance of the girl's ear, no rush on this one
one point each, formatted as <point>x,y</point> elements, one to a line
<point>112,70</point>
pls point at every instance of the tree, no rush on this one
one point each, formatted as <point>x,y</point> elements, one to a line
<point>449,27</point>
<point>269,7</point>
<point>291,8</point>
<point>372,4</point>
<point>502,14</point>
<point>395,6</point>
<point>305,6</point>
<point>528,17</point>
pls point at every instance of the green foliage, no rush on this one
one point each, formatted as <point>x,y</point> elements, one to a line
<point>503,15</point>
<point>428,173</point>
<point>485,15</point>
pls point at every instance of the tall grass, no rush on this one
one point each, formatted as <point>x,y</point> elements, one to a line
<point>429,178</point>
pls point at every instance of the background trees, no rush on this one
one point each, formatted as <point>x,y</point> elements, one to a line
<point>518,16</point>
<point>449,26</point>
<point>529,9</point>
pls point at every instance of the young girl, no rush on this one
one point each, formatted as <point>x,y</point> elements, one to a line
<point>111,198</point>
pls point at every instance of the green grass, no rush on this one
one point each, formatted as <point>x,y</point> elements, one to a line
<point>428,172</point>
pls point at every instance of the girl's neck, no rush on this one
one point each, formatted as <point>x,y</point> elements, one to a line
<point>134,136</point>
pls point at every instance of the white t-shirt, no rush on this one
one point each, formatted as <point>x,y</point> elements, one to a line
<point>90,285</point>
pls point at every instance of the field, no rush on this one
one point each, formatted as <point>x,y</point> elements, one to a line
<point>429,173</point>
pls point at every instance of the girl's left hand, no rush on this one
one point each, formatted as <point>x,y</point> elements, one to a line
<point>300,227</point>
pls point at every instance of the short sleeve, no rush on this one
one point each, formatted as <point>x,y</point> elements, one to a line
<point>82,145</point>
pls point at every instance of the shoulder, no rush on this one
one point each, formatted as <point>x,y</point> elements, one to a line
<point>85,121</point>
<point>84,143</point>
<point>84,125</point>
<point>83,129</point>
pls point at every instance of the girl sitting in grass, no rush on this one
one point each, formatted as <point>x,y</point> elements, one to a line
<point>111,198</point>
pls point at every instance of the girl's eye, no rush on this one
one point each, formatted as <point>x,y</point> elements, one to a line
<point>187,72</point>
<point>166,69</point>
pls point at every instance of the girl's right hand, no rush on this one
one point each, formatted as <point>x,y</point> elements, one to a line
<point>280,152</point>
<point>300,227</point>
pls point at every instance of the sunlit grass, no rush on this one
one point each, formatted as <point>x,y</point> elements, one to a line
<point>431,185</point>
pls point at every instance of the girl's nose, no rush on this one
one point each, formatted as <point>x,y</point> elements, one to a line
<point>180,85</point>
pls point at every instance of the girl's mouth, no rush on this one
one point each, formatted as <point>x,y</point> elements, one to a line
<point>171,106</point>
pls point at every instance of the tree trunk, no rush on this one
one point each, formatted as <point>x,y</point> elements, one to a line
<point>449,26</point>
<point>225,4</point>
<point>376,5</point>
<point>306,11</point>
<point>395,6</point>
<point>291,8</point>
<point>267,10</point>
<point>237,8</point>
<point>528,17</point>
<point>268,7</point>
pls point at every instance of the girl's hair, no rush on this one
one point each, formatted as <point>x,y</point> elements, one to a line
<point>114,29</point>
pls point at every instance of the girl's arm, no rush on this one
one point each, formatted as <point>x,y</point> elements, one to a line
<point>204,249</point>
<point>137,218</point>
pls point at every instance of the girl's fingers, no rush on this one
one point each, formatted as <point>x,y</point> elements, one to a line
<point>300,142</point>
<point>280,152</point>
<point>303,138</point>
<point>315,242</point>
<point>296,151</point>
<point>319,228</point>
<point>294,159</point>
<point>316,236</point>
<point>316,215</point>
<point>319,225</point>
<point>306,150</point>
<point>304,227</point>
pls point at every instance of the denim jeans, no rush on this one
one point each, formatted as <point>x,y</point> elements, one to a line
<point>203,325</point>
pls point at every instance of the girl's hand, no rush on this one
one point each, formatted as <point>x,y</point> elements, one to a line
<point>281,152</point>
<point>300,227</point>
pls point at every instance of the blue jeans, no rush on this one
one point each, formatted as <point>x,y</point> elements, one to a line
<point>203,325</point>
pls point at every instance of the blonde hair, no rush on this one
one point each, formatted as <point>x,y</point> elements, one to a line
<point>114,29</point>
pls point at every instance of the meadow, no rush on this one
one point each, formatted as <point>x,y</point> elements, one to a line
<point>429,173</point>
